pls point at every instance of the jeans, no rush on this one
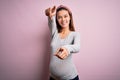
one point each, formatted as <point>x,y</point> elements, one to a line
<point>76,78</point>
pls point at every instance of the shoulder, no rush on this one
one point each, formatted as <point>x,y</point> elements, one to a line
<point>75,33</point>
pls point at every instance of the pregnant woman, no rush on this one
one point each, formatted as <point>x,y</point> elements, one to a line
<point>65,41</point>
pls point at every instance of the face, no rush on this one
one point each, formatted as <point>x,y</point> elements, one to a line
<point>63,18</point>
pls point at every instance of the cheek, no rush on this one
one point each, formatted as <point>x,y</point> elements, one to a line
<point>68,20</point>
<point>59,21</point>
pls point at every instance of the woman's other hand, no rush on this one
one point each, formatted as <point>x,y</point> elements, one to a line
<point>62,53</point>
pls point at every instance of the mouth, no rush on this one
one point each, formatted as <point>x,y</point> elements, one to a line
<point>64,23</point>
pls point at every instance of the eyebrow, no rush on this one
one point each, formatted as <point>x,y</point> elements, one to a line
<point>63,15</point>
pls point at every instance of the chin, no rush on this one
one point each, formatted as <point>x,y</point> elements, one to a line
<point>64,26</point>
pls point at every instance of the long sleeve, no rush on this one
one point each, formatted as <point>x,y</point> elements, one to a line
<point>52,25</point>
<point>75,47</point>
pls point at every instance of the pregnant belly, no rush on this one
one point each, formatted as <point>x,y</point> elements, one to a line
<point>61,68</point>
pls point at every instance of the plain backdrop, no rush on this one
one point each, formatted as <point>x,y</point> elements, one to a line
<point>25,39</point>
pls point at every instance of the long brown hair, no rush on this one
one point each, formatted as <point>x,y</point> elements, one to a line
<point>71,25</point>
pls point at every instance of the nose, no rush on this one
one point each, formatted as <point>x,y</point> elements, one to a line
<point>63,19</point>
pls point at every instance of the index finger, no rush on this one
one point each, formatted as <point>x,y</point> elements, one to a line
<point>53,9</point>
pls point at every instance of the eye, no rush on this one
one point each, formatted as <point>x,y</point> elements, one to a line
<point>59,17</point>
<point>66,16</point>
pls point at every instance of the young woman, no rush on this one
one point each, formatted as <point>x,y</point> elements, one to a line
<point>65,41</point>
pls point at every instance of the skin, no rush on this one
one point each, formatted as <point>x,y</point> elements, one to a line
<point>63,19</point>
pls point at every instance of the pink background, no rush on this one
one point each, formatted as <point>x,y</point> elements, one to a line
<point>24,38</point>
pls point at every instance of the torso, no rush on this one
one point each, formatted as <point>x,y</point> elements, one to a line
<point>64,35</point>
<point>62,68</point>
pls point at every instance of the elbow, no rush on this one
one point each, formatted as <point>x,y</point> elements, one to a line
<point>78,49</point>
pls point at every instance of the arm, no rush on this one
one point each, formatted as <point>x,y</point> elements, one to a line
<point>75,47</point>
<point>65,50</point>
<point>52,25</point>
<point>51,12</point>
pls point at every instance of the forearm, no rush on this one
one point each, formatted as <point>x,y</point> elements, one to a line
<point>75,46</point>
<point>72,48</point>
<point>52,24</point>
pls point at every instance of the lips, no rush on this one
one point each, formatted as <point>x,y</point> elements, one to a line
<point>64,23</point>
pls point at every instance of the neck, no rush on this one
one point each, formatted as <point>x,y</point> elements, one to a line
<point>65,30</point>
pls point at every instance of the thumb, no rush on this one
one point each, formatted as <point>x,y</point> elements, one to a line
<point>59,51</point>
